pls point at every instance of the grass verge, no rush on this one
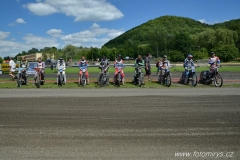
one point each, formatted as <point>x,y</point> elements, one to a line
<point>72,83</point>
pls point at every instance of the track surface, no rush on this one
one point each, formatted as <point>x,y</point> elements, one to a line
<point>119,123</point>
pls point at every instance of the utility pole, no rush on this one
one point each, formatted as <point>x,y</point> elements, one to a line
<point>92,56</point>
<point>66,56</point>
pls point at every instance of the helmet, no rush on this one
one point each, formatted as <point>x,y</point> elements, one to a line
<point>164,56</point>
<point>104,57</point>
<point>119,55</point>
<point>60,59</point>
<point>190,56</point>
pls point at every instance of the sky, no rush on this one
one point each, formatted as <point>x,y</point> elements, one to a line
<point>27,24</point>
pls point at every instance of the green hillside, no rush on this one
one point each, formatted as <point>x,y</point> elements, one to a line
<point>178,36</point>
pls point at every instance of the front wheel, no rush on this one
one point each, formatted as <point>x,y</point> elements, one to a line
<point>168,80</point>
<point>101,79</point>
<point>140,79</point>
<point>194,79</point>
<point>60,79</point>
<point>118,78</point>
<point>218,81</point>
<point>83,79</point>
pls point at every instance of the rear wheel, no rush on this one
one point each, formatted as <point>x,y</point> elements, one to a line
<point>99,79</point>
<point>201,78</point>
<point>38,81</point>
<point>107,81</point>
<point>218,81</point>
<point>79,80</point>
<point>19,80</point>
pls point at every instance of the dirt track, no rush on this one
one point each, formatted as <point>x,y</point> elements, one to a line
<point>121,124</point>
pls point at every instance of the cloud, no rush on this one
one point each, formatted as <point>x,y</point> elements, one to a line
<point>12,48</point>
<point>202,20</point>
<point>56,33</point>
<point>20,20</point>
<point>41,9</point>
<point>95,36</point>
<point>11,24</point>
<point>84,10</point>
<point>206,22</point>
<point>40,42</point>
<point>4,35</point>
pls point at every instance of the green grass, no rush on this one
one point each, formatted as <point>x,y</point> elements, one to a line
<point>199,69</point>
<point>130,69</point>
<point>72,83</point>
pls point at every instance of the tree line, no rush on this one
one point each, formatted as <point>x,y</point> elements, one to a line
<point>178,36</point>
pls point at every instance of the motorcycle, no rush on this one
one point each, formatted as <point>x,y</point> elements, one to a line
<point>118,76</point>
<point>60,76</point>
<point>209,77</point>
<point>82,78</point>
<point>21,77</point>
<point>189,76</point>
<point>138,79</point>
<point>103,77</point>
<point>39,80</point>
<point>166,78</point>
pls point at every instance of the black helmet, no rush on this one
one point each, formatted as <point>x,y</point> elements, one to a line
<point>119,55</point>
<point>190,56</point>
<point>60,58</point>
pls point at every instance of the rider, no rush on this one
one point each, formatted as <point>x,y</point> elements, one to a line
<point>164,65</point>
<point>41,66</point>
<point>104,64</point>
<point>119,62</point>
<point>61,64</point>
<point>138,62</point>
<point>24,64</point>
<point>214,61</point>
<point>83,63</point>
<point>188,62</point>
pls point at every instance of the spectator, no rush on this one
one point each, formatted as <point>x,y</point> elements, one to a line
<point>147,66</point>
<point>12,66</point>
<point>159,62</point>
